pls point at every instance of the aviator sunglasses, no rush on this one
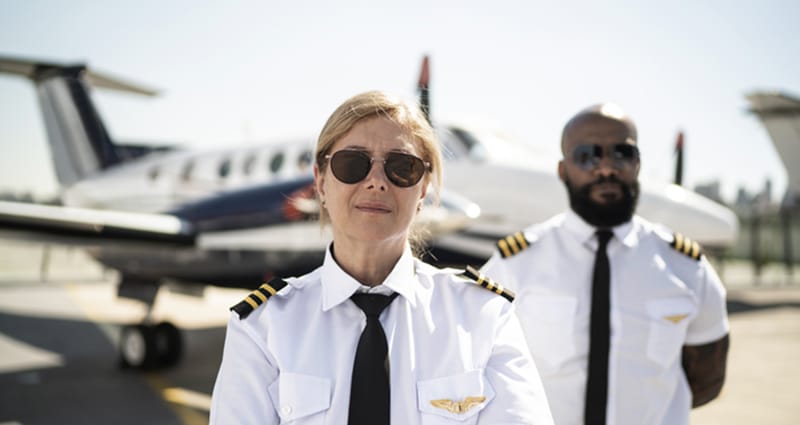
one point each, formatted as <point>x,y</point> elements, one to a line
<point>588,156</point>
<point>402,169</point>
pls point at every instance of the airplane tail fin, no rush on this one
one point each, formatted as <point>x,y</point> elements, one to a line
<point>80,144</point>
<point>423,87</point>
<point>679,159</point>
<point>780,115</point>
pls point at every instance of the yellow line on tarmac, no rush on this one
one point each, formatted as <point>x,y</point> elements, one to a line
<point>185,404</point>
<point>189,398</point>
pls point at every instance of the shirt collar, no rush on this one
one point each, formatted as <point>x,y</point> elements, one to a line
<point>585,232</point>
<point>338,286</point>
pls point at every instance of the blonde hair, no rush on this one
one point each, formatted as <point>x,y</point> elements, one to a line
<point>371,104</point>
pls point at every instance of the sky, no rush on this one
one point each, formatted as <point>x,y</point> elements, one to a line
<point>247,72</point>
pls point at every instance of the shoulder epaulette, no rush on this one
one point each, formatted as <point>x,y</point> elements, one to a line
<point>512,244</point>
<point>259,296</point>
<point>483,281</point>
<point>686,246</point>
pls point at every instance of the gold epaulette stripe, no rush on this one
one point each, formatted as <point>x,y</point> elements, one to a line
<point>686,246</point>
<point>258,297</point>
<point>252,303</point>
<point>487,283</point>
<point>512,244</point>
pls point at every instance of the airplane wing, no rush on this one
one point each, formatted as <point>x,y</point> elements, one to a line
<point>260,206</point>
<point>258,218</point>
<point>83,226</point>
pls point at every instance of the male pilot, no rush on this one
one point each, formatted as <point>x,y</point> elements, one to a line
<point>625,319</point>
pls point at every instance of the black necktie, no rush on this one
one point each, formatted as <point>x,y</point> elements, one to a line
<point>599,336</point>
<point>369,390</point>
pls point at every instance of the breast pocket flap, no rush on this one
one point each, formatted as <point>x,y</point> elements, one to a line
<point>300,395</point>
<point>669,319</point>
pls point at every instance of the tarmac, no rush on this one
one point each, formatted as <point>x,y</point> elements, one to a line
<point>59,328</point>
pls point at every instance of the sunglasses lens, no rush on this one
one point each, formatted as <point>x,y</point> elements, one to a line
<point>350,166</point>
<point>587,156</point>
<point>625,152</point>
<point>622,155</point>
<point>403,170</point>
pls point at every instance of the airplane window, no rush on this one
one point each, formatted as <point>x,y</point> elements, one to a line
<point>186,173</point>
<point>247,168</point>
<point>224,168</point>
<point>304,160</point>
<point>276,162</point>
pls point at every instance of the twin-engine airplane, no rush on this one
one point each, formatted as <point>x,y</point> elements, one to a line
<point>234,217</point>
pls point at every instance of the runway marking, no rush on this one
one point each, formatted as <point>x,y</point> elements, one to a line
<point>185,404</point>
<point>193,399</point>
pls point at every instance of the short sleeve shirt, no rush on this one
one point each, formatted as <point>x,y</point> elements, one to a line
<point>660,300</point>
<point>291,359</point>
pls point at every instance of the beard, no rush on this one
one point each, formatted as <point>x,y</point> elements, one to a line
<point>608,214</point>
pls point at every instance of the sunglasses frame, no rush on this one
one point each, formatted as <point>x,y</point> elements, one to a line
<point>621,163</point>
<point>386,161</point>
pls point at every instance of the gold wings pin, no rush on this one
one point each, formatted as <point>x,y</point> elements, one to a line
<point>458,407</point>
<point>676,318</point>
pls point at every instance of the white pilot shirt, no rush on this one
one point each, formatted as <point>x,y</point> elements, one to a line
<point>290,360</point>
<point>661,300</point>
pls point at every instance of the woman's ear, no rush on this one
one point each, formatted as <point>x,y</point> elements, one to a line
<point>423,193</point>
<point>424,190</point>
<point>319,183</point>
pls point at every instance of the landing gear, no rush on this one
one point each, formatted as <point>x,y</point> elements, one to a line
<point>150,347</point>
<point>146,346</point>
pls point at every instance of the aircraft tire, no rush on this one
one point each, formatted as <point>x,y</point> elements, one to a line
<point>169,345</point>
<point>137,347</point>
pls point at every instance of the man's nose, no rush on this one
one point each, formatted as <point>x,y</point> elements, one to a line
<point>606,166</point>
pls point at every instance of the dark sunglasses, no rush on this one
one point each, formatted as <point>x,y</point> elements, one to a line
<point>402,169</point>
<point>622,155</point>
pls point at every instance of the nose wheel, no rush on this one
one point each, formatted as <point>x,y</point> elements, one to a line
<point>147,346</point>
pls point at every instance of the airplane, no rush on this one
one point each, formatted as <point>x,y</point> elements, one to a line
<point>779,113</point>
<point>161,214</point>
<point>237,216</point>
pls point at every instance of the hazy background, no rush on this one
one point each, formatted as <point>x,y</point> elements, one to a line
<point>243,72</point>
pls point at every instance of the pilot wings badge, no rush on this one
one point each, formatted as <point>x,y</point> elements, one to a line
<point>676,318</point>
<point>458,407</point>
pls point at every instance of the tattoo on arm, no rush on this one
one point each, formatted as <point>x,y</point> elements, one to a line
<point>704,366</point>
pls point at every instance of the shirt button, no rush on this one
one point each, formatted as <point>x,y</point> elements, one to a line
<point>286,410</point>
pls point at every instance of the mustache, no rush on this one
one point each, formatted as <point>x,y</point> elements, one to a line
<point>606,179</point>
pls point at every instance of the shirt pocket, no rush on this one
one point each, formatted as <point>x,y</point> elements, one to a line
<point>549,323</point>
<point>301,399</point>
<point>669,320</point>
<point>456,399</point>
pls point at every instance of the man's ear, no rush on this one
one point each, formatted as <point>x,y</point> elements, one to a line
<point>561,171</point>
